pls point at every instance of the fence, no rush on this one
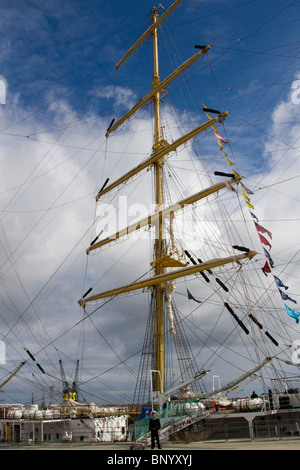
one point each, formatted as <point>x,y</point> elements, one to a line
<point>209,424</point>
<point>171,416</point>
<point>225,427</point>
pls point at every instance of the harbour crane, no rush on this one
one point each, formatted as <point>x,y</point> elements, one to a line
<point>69,392</point>
<point>75,383</point>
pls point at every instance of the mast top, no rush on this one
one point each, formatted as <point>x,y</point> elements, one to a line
<point>155,9</point>
<point>149,30</point>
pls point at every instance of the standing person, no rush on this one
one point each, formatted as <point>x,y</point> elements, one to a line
<point>154,427</point>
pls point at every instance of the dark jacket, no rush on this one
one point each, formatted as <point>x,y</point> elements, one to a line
<point>154,424</point>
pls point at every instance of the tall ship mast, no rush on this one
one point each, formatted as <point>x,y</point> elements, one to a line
<point>166,268</point>
<point>192,309</point>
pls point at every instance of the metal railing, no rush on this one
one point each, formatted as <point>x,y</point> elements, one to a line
<point>172,418</point>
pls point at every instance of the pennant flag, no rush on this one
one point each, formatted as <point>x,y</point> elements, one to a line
<point>292,313</point>
<point>249,205</point>
<point>266,269</point>
<point>254,216</point>
<point>220,138</point>
<point>247,198</point>
<point>205,109</point>
<point>269,258</point>
<point>229,162</point>
<point>286,297</point>
<point>264,240</point>
<point>246,190</point>
<point>279,282</point>
<point>191,297</point>
<point>234,172</point>
<point>262,230</point>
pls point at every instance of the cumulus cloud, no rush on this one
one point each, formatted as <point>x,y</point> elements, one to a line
<point>122,97</point>
<point>278,194</point>
<point>52,166</point>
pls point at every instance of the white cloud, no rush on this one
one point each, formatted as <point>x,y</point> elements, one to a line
<point>49,204</point>
<point>122,97</point>
<point>279,199</point>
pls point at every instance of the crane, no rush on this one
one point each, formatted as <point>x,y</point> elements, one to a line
<point>66,386</point>
<point>69,393</point>
<point>75,383</point>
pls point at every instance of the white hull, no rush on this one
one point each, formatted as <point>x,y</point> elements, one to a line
<point>19,423</point>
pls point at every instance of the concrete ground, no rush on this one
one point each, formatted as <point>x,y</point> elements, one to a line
<point>291,443</point>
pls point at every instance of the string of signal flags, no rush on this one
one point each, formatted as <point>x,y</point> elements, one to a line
<point>269,264</point>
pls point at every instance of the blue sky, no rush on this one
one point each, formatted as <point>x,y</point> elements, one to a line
<point>58,61</point>
<point>69,49</point>
<point>52,52</point>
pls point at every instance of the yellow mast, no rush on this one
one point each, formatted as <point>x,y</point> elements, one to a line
<point>165,150</point>
<point>160,279</point>
<point>158,251</point>
<point>160,148</point>
<point>149,32</point>
<point>166,212</point>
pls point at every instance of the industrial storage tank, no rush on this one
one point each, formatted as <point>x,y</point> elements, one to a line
<point>35,414</point>
<point>25,414</point>
<point>56,414</point>
<point>248,404</point>
<point>14,414</point>
<point>48,414</point>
